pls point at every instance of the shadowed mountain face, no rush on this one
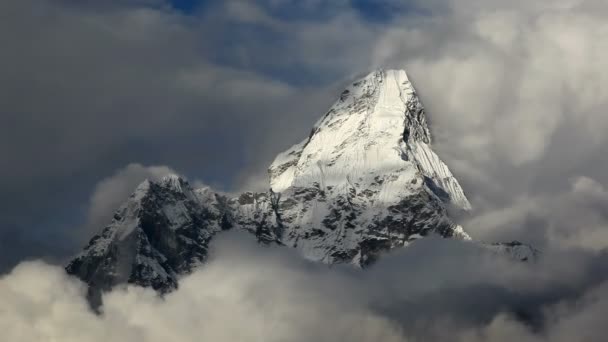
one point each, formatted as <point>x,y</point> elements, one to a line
<point>163,230</point>
<point>365,181</point>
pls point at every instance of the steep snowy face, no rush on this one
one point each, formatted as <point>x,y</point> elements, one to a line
<point>377,127</point>
<point>366,179</point>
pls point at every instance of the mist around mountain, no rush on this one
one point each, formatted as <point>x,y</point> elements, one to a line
<point>364,182</point>
<point>99,96</point>
<point>365,194</point>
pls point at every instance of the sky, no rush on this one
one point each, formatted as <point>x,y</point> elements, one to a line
<point>97,96</point>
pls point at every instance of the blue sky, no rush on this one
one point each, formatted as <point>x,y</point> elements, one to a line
<point>188,6</point>
<point>373,10</point>
<point>236,37</point>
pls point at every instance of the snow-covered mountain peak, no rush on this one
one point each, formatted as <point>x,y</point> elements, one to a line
<point>366,178</point>
<point>376,132</point>
<point>385,95</point>
<point>365,181</point>
<point>142,188</point>
<point>174,182</point>
<point>162,230</point>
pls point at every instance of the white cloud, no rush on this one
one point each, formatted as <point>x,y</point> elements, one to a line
<point>569,219</point>
<point>508,80</point>
<point>252,293</point>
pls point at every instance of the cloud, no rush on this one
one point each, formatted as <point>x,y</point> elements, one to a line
<point>506,89</point>
<point>574,218</point>
<point>533,91</point>
<point>248,292</point>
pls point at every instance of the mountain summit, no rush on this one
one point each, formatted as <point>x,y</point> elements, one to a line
<point>376,129</point>
<point>365,181</point>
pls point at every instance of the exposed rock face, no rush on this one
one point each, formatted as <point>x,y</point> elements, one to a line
<point>365,181</point>
<point>163,230</point>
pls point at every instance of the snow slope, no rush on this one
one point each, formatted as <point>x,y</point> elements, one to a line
<point>377,127</point>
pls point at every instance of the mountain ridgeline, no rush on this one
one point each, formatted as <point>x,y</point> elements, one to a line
<point>365,181</point>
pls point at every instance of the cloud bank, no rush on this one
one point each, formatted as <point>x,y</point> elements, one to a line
<point>432,291</point>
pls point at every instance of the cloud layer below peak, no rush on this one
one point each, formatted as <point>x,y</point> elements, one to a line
<point>429,292</point>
